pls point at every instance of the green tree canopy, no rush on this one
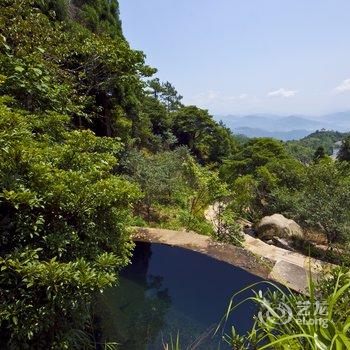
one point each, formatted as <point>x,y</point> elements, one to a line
<point>344,152</point>
<point>209,141</point>
<point>252,155</point>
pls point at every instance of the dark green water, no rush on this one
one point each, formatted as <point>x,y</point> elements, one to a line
<point>168,290</point>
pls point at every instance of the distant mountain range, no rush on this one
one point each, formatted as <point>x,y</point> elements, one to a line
<point>280,135</point>
<point>285,128</point>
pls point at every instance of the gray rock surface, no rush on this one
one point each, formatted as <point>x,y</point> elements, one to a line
<point>292,276</point>
<point>277,225</point>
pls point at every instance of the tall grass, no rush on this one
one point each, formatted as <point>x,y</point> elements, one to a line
<point>174,344</point>
<point>310,322</point>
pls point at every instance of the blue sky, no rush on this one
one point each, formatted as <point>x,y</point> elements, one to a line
<point>247,56</point>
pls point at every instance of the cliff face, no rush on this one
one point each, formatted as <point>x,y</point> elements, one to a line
<point>98,16</point>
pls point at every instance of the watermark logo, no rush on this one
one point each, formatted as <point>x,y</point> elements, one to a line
<point>312,315</point>
<point>304,314</point>
<point>280,314</point>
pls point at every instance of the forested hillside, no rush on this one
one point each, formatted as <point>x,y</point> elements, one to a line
<point>82,117</point>
<point>93,143</point>
<point>305,148</point>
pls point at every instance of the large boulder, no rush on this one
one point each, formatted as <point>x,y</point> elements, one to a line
<point>277,225</point>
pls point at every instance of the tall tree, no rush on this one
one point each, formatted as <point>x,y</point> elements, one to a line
<point>171,97</point>
<point>344,152</point>
<point>319,154</point>
<point>209,141</point>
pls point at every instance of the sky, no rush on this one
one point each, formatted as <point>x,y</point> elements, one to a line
<point>247,56</point>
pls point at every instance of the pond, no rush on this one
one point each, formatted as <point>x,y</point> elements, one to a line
<point>168,290</point>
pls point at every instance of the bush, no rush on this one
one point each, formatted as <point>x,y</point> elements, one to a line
<point>228,229</point>
<point>63,221</point>
<point>322,202</point>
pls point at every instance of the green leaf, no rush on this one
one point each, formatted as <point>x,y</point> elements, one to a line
<point>37,71</point>
<point>19,69</point>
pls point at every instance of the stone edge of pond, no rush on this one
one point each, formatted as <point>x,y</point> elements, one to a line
<point>228,253</point>
<point>285,272</point>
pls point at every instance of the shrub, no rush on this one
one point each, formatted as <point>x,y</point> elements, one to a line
<point>63,222</point>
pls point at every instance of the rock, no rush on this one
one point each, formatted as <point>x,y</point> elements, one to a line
<point>277,225</point>
<point>282,243</point>
<point>292,276</point>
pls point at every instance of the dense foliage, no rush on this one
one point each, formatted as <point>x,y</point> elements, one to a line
<point>176,190</point>
<point>265,179</point>
<point>91,143</point>
<point>344,152</point>
<point>63,225</point>
<point>79,128</point>
<point>100,16</point>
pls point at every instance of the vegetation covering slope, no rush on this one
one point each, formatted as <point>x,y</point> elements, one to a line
<point>305,148</point>
<point>79,126</point>
<point>91,143</point>
<point>265,179</point>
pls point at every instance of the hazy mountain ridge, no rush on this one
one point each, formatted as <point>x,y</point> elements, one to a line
<point>280,135</point>
<point>285,127</point>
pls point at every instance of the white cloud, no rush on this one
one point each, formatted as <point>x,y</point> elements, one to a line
<point>216,96</point>
<point>207,96</point>
<point>343,87</point>
<point>242,97</point>
<point>234,98</point>
<point>282,93</point>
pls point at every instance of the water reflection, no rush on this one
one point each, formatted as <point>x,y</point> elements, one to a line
<point>168,290</point>
<point>134,313</point>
